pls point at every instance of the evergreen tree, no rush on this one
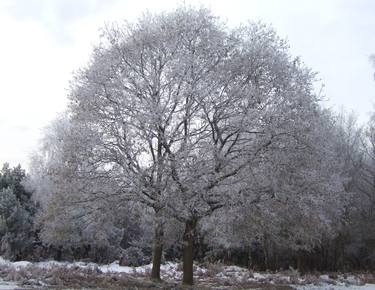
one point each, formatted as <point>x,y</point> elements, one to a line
<point>16,214</point>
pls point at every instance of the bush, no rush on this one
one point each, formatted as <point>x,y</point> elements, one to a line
<point>134,256</point>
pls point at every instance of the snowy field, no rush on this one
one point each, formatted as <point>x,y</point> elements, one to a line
<point>336,287</point>
<point>211,277</point>
<point>8,285</point>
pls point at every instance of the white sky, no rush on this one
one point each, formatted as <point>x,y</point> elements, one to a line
<point>44,41</point>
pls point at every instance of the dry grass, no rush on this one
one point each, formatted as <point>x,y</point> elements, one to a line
<point>79,278</point>
<point>212,277</point>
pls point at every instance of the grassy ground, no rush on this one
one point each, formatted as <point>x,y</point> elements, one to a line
<point>208,277</point>
<point>32,277</point>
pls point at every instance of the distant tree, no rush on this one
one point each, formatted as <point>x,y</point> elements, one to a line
<point>70,218</point>
<point>363,210</point>
<point>361,216</point>
<point>17,210</point>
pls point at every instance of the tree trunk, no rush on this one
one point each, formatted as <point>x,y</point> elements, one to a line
<point>188,252</point>
<point>249,259</point>
<point>265,253</point>
<point>339,265</point>
<point>158,248</point>
<point>300,261</point>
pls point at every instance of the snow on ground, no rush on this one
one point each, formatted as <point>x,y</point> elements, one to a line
<point>168,270</point>
<point>350,282</point>
<point>171,271</point>
<point>7,285</point>
<point>336,287</point>
<point>114,267</point>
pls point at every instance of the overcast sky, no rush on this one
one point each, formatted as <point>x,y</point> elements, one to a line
<point>44,41</point>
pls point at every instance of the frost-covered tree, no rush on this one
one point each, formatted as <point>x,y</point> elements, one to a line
<point>367,181</point>
<point>305,197</point>
<point>179,112</point>
<point>80,216</point>
<point>249,102</point>
<point>361,215</point>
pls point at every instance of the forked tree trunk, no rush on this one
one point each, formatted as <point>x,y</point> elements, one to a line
<point>157,251</point>
<point>188,252</point>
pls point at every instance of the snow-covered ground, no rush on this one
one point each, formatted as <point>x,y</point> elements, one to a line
<point>336,287</point>
<point>4,285</point>
<point>171,271</point>
<point>168,269</point>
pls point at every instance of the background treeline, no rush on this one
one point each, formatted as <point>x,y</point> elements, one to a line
<point>184,138</point>
<point>267,235</point>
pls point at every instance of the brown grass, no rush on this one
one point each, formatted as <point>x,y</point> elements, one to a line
<point>59,277</point>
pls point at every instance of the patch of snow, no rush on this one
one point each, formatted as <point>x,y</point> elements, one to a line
<point>21,264</point>
<point>5,285</point>
<point>335,287</point>
<point>353,280</point>
<point>116,268</point>
<point>259,276</point>
<point>325,278</point>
